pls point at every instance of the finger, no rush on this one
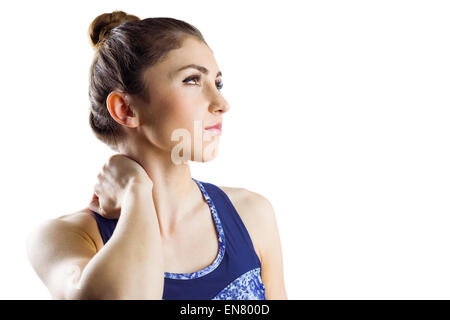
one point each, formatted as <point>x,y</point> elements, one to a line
<point>98,189</point>
<point>94,205</point>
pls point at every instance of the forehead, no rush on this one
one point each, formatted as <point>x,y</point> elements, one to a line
<point>191,47</point>
<point>192,51</point>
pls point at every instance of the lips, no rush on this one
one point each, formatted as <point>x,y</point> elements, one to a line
<point>216,126</point>
<point>215,129</point>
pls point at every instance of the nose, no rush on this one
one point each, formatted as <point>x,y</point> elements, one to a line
<point>219,104</point>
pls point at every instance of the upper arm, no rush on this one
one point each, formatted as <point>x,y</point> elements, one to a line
<point>270,248</point>
<point>58,250</point>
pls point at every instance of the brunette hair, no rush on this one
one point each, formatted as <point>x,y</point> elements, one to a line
<point>125,47</point>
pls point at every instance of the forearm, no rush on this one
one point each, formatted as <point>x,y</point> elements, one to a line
<point>130,265</point>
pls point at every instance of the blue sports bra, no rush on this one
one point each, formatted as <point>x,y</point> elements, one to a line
<point>235,274</point>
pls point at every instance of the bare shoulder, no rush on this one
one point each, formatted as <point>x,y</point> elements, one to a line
<point>80,222</point>
<point>258,215</point>
<point>58,247</point>
<point>256,212</point>
<point>84,222</point>
<point>251,202</point>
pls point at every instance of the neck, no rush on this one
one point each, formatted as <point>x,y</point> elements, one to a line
<point>175,194</point>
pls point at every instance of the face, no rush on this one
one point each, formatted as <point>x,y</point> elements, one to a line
<point>184,101</point>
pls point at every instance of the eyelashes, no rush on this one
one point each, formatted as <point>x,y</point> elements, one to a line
<point>219,84</point>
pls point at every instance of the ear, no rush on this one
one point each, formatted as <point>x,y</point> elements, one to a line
<point>119,108</point>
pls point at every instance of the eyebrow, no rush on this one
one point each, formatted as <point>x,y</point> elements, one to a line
<point>199,68</point>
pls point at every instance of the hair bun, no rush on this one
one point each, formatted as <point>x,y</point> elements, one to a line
<point>100,26</point>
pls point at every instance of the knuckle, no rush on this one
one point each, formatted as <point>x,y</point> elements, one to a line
<point>114,157</point>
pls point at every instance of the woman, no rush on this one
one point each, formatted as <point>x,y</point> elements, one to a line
<point>152,231</point>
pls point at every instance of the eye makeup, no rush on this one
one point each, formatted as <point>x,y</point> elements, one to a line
<point>219,84</point>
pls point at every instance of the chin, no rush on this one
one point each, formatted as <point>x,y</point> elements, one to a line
<point>210,150</point>
<point>209,156</point>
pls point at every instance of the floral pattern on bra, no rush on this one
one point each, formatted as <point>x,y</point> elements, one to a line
<point>215,264</point>
<point>248,286</point>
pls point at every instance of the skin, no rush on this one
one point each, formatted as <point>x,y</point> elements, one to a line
<point>180,207</point>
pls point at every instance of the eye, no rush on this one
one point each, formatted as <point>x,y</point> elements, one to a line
<point>196,77</point>
<point>219,84</point>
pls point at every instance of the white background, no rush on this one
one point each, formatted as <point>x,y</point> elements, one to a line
<point>339,116</point>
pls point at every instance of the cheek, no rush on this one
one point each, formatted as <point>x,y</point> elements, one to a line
<point>181,115</point>
<point>178,112</point>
